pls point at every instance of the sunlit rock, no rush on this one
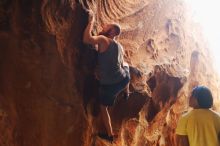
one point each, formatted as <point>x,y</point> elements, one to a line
<point>48,92</point>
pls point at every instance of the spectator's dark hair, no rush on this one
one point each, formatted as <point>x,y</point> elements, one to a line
<point>203,96</point>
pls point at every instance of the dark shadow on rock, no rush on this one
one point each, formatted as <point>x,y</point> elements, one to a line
<point>90,94</point>
<point>164,90</point>
<point>127,109</point>
<point>152,110</point>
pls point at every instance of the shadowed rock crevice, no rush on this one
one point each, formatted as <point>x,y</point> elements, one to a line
<point>164,90</point>
<point>152,83</point>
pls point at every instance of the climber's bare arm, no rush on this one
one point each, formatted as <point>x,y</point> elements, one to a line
<point>182,140</point>
<point>123,61</point>
<point>88,38</point>
<point>87,35</point>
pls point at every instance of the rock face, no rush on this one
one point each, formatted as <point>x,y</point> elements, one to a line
<point>48,93</point>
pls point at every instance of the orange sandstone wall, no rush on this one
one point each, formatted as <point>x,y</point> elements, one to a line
<point>48,93</point>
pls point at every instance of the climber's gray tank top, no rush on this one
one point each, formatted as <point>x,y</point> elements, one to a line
<point>110,64</point>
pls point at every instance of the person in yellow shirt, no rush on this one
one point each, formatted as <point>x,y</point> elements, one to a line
<point>201,126</point>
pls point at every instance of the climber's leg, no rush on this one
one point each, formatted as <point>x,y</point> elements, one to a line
<point>126,89</point>
<point>108,93</point>
<point>135,71</point>
<point>107,96</point>
<point>125,64</point>
<point>132,70</point>
<point>107,120</point>
<point>127,92</point>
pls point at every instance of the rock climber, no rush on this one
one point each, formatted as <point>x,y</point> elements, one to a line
<point>113,72</point>
<point>201,126</point>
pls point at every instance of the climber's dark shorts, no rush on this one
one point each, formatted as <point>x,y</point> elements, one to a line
<point>108,93</point>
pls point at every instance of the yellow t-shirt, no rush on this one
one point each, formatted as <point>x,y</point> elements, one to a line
<point>202,127</point>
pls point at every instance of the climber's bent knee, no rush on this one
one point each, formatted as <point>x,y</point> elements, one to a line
<point>127,72</point>
<point>125,64</point>
<point>108,93</point>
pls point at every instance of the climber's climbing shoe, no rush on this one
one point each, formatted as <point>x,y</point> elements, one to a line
<point>106,137</point>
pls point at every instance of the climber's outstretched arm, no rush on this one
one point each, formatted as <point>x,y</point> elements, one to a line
<point>88,38</point>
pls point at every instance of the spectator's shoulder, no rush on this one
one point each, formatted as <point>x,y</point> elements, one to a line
<point>186,113</point>
<point>216,113</point>
<point>181,128</point>
<point>184,117</point>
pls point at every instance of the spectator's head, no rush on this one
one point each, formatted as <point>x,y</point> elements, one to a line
<point>110,30</point>
<point>201,97</point>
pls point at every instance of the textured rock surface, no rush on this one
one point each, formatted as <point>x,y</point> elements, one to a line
<point>48,94</point>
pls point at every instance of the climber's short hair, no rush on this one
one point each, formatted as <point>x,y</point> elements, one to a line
<point>117,28</point>
<point>203,96</point>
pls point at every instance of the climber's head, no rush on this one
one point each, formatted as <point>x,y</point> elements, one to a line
<point>110,30</point>
<point>201,97</point>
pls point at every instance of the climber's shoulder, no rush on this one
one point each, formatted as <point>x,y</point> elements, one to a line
<point>103,42</point>
<point>98,40</point>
